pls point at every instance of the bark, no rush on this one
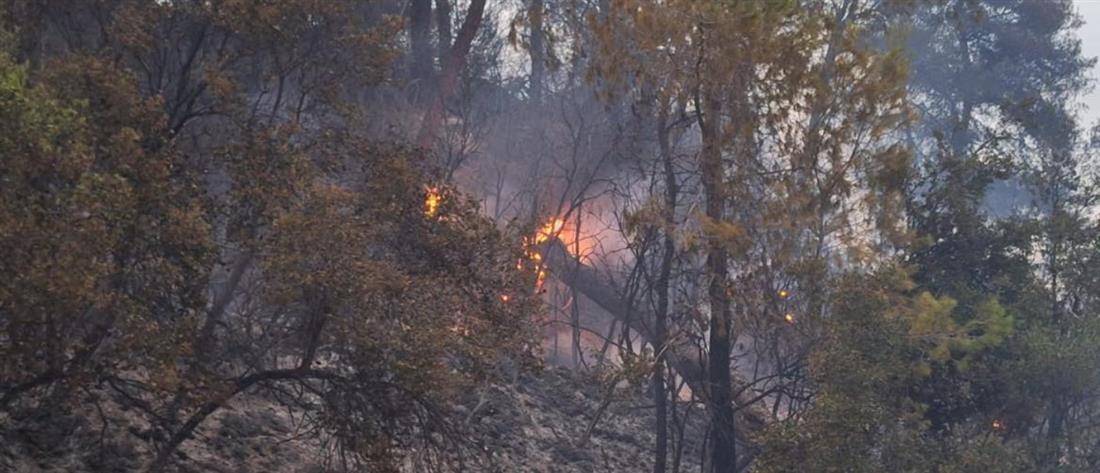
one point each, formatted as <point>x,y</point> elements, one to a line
<point>535,14</point>
<point>222,301</point>
<point>575,310</point>
<point>420,25</point>
<point>1059,403</point>
<point>660,338</point>
<point>719,383</point>
<point>453,64</point>
<point>443,27</point>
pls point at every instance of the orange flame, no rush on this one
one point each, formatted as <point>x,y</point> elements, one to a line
<point>549,230</point>
<point>432,200</point>
<point>553,228</point>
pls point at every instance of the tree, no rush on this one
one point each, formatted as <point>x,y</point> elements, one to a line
<point>864,418</point>
<point>983,135</point>
<point>211,203</point>
<point>743,69</point>
<point>109,240</point>
<point>301,268</point>
<point>961,53</point>
<point>971,405</point>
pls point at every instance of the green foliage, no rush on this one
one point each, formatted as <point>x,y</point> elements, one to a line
<point>933,324</point>
<point>861,420</point>
<point>867,415</point>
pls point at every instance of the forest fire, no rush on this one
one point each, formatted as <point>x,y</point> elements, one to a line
<point>579,239</point>
<point>748,236</point>
<point>578,245</point>
<point>432,199</point>
<point>549,230</point>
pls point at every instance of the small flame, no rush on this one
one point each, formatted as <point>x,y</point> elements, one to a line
<point>783,294</point>
<point>505,297</point>
<point>997,424</point>
<point>432,199</point>
<point>789,318</point>
<point>554,228</point>
<point>549,230</point>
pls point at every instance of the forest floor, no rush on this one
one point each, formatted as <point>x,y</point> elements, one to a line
<point>549,421</point>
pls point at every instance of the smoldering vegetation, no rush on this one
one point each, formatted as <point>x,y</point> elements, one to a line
<point>547,235</point>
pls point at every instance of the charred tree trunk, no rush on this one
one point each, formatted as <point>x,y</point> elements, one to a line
<point>453,64</point>
<point>535,15</point>
<point>574,309</point>
<point>660,323</point>
<point>720,390</point>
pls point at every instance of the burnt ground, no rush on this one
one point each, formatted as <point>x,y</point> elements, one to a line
<point>550,421</point>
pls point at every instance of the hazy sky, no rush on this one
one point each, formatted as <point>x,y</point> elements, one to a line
<point>1090,42</point>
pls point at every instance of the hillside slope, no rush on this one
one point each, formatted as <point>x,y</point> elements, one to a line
<point>550,421</point>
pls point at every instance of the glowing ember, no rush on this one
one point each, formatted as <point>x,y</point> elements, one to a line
<point>997,424</point>
<point>505,297</point>
<point>432,199</point>
<point>789,318</point>
<point>783,294</point>
<point>460,329</point>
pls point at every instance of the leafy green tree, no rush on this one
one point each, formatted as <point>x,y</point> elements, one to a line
<point>983,130</point>
<point>883,340</point>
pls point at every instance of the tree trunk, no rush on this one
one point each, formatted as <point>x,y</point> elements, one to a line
<point>453,64</point>
<point>681,358</point>
<point>1059,405</point>
<point>574,308</point>
<point>660,325</point>
<point>720,391</point>
<point>443,27</point>
<point>535,15</point>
